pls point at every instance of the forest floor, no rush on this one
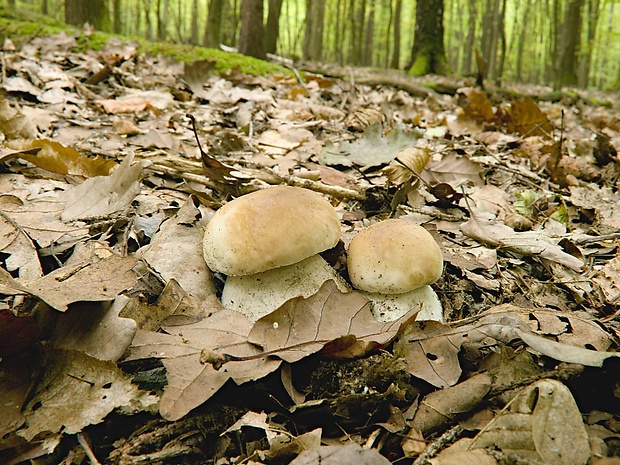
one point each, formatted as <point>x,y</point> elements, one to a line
<point>111,327</point>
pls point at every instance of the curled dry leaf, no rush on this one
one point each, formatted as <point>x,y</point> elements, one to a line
<point>302,327</point>
<point>104,195</point>
<point>441,408</point>
<point>57,158</point>
<point>483,227</point>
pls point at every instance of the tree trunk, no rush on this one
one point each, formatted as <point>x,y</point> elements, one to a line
<point>213,30</point>
<point>522,39</point>
<point>569,45</point>
<point>117,24</point>
<point>252,32</point>
<point>397,20</point>
<point>162,16</point>
<point>194,23</point>
<point>94,12</point>
<point>147,19</point>
<point>471,38</point>
<point>44,7</point>
<point>592,22</point>
<point>428,55</point>
<point>272,29</point>
<point>313,32</point>
<point>366,53</point>
<point>490,36</point>
<point>499,72</point>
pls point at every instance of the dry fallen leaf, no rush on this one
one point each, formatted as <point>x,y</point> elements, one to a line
<point>176,252</point>
<point>57,158</point>
<point>103,195</point>
<point>70,375</point>
<point>190,381</point>
<point>85,281</point>
<point>440,408</point>
<point>338,455</point>
<point>301,327</point>
<point>483,227</point>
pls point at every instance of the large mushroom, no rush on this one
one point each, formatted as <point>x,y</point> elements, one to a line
<point>267,243</point>
<point>393,262</point>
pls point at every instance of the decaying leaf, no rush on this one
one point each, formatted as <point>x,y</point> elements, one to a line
<point>372,149</point>
<point>70,375</point>
<point>175,252</point>
<point>337,455</point>
<point>430,350</point>
<point>484,228</point>
<point>95,329</point>
<point>14,124</point>
<point>542,423</point>
<point>302,327</point>
<point>443,407</point>
<point>104,195</point>
<point>527,119</point>
<point>192,382</point>
<point>57,158</point>
<point>85,281</point>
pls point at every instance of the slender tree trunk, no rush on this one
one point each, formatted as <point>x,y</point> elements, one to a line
<point>490,37</point>
<point>397,22</point>
<point>213,30</point>
<point>471,38</point>
<point>567,58</point>
<point>428,55</point>
<point>147,19</point>
<point>368,43</point>
<point>252,32</point>
<point>272,29</point>
<point>95,12</point>
<point>593,11</point>
<point>522,39</point>
<point>194,23</point>
<point>117,23</point>
<point>313,31</point>
<point>502,43</point>
<point>44,7</point>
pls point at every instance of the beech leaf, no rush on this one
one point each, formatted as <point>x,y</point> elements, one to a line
<point>301,327</point>
<point>191,381</point>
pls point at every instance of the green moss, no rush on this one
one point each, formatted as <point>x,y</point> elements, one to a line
<point>13,26</point>
<point>600,103</point>
<point>420,66</point>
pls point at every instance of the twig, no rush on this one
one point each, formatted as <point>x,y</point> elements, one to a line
<point>87,449</point>
<point>440,443</point>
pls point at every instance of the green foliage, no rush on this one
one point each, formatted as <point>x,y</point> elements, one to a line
<point>525,202</point>
<point>19,31</point>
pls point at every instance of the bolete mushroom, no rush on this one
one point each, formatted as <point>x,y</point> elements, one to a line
<point>393,262</point>
<point>267,243</point>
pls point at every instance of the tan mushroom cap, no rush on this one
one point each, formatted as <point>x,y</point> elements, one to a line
<point>393,257</point>
<point>268,229</point>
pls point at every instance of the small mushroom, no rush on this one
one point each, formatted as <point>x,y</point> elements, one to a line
<point>267,243</point>
<point>393,262</point>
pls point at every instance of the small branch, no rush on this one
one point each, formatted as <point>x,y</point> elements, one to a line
<point>87,449</point>
<point>440,443</point>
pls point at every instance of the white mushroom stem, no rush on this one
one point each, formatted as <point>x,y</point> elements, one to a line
<point>390,307</point>
<point>259,294</point>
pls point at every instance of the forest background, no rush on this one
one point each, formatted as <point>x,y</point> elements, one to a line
<point>547,42</point>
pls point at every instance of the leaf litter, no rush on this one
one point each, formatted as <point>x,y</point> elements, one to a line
<point>109,314</point>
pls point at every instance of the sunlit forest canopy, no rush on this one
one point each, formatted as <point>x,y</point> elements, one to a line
<point>513,40</point>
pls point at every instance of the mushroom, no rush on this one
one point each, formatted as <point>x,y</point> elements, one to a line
<point>267,243</point>
<point>393,262</point>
